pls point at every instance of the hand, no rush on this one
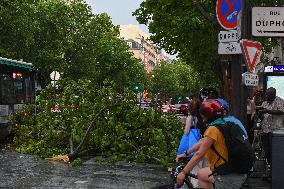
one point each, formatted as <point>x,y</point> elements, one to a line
<point>180,156</point>
<point>264,111</point>
<point>180,178</point>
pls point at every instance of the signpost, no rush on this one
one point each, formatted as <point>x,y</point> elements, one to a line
<point>250,79</point>
<point>229,36</point>
<point>229,48</point>
<point>55,75</point>
<point>268,21</point>
<point>251,51</point>
<point>227,13</point>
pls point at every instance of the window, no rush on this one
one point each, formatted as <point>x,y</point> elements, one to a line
<point>129,43</point>
<point>7,90</point>
<point>15,90</point>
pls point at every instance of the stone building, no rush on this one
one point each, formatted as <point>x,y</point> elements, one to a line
<point>141,47</point>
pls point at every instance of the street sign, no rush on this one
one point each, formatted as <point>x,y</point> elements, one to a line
<point>268,69</point>
<point>251,51</point>
<point>268,21</point>
<point>278,68</point>
<point>229,36</point>
<point>55,75</point>
<point>229,48</point>
<point>227,12</point>
<point>250,79</point>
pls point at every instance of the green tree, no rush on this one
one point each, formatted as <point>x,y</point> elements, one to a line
<point>176,79</point>
<point>97,120</point>
<point>68,38</point>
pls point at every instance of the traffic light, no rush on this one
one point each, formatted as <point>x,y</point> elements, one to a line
<point>136,88</point>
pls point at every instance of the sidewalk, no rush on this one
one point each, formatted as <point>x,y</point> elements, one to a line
<point>255,180</point>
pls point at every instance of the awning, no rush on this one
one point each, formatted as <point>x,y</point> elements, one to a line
<point>19,64</point>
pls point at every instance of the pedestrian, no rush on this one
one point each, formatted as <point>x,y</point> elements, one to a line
<point>272,111</point>
<point>192,135</point>
<point>207,93</point>
<point>229,118</point>
<point>190,123</point>
<point>213,139</point>
<point>258,97</point>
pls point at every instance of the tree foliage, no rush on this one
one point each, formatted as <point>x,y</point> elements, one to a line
<point>191,29</point>
<point>177,79</point>
<point>121,130</point>
<point>93,105</point>
<point>68,38</point>
<point>178,26</point>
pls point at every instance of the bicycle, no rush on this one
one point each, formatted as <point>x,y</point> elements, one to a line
<point>174,173</point>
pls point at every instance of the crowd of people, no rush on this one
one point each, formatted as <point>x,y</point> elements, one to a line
<point>209,155</point>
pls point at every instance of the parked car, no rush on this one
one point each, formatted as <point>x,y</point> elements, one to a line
<point>168,108</point>
<point>181,109</point>
<point>144,105</point>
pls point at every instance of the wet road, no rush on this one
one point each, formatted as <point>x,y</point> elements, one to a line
<point>24,171</point>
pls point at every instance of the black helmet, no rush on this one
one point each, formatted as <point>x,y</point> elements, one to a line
<point>208,93</point>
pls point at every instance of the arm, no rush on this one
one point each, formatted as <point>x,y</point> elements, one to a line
<point>274,112</point>
<point>187,124</point>
<point>189,151</point>
<point>204,146</point>
<point>194,147</point>
<point>198,156</point>
<point>253,109</point>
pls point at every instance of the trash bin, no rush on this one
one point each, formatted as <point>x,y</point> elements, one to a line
<point>277,159</point>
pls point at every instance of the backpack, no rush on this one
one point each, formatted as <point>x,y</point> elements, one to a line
<point>240,153</point>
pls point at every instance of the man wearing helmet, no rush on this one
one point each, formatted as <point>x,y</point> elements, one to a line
<point>211,110</point>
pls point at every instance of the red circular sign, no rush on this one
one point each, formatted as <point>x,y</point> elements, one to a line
<point>227,13</point>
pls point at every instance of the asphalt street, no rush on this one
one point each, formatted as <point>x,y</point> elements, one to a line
<point>24,171</point>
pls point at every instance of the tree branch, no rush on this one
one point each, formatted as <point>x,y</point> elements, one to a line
<point>212,21</point>
<point>91,125</point>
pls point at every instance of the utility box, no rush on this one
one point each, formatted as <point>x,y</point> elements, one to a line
<point>277,159</point>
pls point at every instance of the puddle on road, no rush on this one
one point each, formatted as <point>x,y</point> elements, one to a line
<point>25,171</point>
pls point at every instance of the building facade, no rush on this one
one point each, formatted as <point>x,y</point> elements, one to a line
<point>142,48</point>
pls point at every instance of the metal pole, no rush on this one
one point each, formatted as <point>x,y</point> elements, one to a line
<point>239,92</point>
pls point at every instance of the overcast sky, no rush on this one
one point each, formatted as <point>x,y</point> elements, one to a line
<point>119,10</point>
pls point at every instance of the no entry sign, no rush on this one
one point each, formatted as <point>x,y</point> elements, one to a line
<point>227,13</point>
